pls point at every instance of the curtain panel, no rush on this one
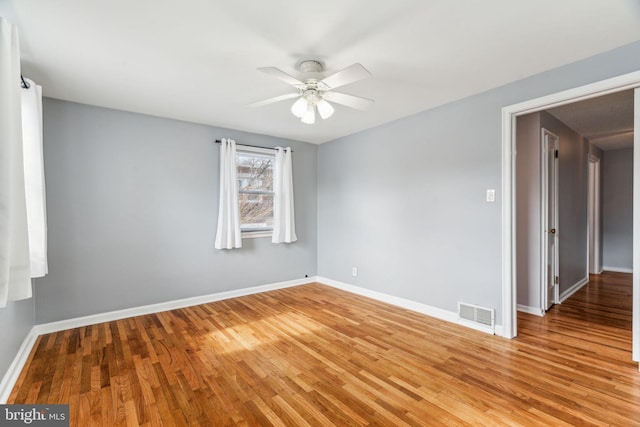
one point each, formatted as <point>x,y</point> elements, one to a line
<point>228,234</point>
<point>284,227</point>
<point>15,280</point>
<point>34,178</point>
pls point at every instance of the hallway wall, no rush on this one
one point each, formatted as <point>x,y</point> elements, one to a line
<point>617,212</point>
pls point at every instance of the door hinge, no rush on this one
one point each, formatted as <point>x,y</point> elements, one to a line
<point>556,154</point>
<point>556,280</point>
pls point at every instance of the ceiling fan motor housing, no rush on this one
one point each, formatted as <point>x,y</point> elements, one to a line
<point>311,94</point>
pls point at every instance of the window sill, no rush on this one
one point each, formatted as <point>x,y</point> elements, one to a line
<point>256,234</point>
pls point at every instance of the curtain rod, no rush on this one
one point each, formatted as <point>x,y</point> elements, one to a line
<point>23,83</point>
<point>218,141</point>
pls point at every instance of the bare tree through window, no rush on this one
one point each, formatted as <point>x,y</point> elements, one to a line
<point>255,190</point>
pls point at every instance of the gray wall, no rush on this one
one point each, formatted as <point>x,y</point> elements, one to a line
<point>16,320</point>
<point>132,210</point>
<point>617,213</point>
<point>405,202</point>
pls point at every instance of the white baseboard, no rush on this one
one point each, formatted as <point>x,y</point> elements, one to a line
<point>12,374</point>
<point>573,289</point>
<point>617,269</point>
<point>438,313</point>
<point>531,310</point>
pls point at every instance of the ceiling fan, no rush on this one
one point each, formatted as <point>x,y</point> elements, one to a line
<point>315,91</point>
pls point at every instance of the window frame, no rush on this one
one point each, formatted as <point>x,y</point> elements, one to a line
<point>245,149</point>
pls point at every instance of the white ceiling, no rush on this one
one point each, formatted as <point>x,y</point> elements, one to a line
<point>606,121</point>
<point>196,60</point>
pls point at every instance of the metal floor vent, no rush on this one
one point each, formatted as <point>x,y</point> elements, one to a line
<point>481,317</point>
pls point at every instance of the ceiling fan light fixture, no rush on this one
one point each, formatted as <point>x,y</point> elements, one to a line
<point>325,109</point>
<point>315,90</point>
<point>310,115</point>
<point>299,108</point>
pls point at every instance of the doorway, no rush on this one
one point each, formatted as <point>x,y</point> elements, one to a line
<point>509,115</point>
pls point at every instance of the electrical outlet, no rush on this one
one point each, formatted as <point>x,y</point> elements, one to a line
<point>354,271</point>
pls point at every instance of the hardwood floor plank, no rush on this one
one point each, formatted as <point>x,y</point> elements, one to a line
<point>295,418</point>
<point>314,355</point>
<point>265,416</point>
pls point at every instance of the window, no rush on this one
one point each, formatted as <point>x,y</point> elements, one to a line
<point>255,191</point>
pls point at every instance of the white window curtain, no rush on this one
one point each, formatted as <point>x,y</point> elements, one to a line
<point>34,177</point>
<point>228,235</point>
<point>15,280</point>
<point>284,227</point>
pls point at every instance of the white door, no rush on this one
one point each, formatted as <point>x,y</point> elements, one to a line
<point>550,285</point>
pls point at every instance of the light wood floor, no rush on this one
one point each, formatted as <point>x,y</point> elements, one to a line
<point>314,355</point>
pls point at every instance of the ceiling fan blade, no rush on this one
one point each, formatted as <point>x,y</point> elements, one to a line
<point>274,99</point>
<point>351,101</point>
<point>279,74</point>
<point>348,75</point>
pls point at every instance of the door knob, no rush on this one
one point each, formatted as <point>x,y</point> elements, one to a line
<point>552,231</point>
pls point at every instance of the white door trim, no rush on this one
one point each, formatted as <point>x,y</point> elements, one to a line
<point>509,114</point>
<point>635,333</point>
<point>545,197</point>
